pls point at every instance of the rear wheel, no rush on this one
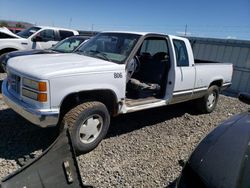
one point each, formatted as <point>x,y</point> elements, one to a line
<point>208,103</point>
<point>88,124</point>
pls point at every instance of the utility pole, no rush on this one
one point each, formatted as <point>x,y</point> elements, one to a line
<point>92,28</point>
<point>186,30</point>
<point>70,21</point>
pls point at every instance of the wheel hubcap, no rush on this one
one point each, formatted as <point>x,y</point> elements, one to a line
<point>211,100</point>
<point>90,128</point>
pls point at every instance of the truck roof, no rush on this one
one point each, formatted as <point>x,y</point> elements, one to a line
<point>144,33</point>
<point>49,27</point>
<point>133,32</point>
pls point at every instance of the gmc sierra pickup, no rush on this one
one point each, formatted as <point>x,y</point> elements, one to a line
<point>113,73</point>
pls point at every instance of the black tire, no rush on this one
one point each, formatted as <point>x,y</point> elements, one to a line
<point>1,68</point>
<point>2,52</point>
<point>78,117</point>
<point>204,105</point>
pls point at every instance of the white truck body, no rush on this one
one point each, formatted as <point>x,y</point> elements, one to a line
<point>17,42</point>
<point>73,74</point>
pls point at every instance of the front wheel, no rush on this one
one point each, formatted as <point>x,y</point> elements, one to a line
<point>88,124</point>
<point>208,103</point>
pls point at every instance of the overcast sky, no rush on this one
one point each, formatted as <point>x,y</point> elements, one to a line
<point>205,18</point>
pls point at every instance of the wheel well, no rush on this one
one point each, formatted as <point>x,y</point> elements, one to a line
<point>107,97</point>
<point>217,83</point>
<point>6,50</point>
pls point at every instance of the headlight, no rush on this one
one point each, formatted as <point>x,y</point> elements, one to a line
<point>35,90</point>
<point>41,97</point>
<point>39,86</point>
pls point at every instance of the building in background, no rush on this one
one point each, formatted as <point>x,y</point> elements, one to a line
<point>15,26</point>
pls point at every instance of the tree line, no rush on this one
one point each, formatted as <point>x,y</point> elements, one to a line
<point>5,24</point>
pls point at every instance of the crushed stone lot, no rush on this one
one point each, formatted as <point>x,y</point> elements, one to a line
<point>142,149</point>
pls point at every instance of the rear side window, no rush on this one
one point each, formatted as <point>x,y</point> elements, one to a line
<point>64,34</point>
<point>48,35</point>
<point>181,53</point>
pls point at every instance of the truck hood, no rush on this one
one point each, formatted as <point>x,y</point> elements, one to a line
<point>8,32</point>
<point>44,66</point>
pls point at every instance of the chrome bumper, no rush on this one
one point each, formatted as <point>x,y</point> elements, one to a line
<point>40,117</point>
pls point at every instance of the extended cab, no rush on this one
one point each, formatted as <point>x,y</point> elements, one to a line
<point>37,37</point>
<point>113,73</point>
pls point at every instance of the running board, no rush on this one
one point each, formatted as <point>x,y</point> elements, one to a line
<point>56,167</point>
<point>128,109</point>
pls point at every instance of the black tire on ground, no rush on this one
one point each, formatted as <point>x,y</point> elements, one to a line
<point>208,103</point>
<point>86,119</point>
<point>2,52</point>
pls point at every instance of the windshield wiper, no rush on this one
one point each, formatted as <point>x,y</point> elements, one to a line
<point>100,54</point>
<point>94,53</point>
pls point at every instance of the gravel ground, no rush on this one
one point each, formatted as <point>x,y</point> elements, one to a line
<point>142,149</point>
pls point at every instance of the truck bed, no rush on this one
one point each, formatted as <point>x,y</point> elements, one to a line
<point>206,72</point>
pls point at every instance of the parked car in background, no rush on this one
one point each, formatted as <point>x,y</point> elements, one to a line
<point>37,37</point>
<point>113,73</point>
<point>222,159</point>
<point>67,45</point>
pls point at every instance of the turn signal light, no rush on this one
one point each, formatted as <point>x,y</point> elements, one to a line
<point>42,86</point>
<point>42,97</point>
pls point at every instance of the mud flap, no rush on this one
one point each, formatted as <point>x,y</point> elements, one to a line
<point>55,167</point>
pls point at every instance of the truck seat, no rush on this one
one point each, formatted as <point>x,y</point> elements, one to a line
<point>152,72</point>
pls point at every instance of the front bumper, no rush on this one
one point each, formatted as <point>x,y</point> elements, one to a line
<point>40,117</point>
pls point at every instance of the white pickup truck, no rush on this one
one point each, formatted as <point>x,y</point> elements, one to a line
<point>113,73</point>
<point>37,37</point>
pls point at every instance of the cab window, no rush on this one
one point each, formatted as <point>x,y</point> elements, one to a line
<point>65,34</point>
<point>181,53</point>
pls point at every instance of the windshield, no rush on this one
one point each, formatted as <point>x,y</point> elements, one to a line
<point>114,47</point>
<point>68,45</point>
<point>28,32</point>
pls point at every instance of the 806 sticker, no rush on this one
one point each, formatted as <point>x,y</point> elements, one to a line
<point>117,75</point>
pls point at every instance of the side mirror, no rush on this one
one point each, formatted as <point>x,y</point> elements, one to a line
<point>244,97</point>
<point>37,38</point>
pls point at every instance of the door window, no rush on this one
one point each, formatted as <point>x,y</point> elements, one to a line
<point>152,46</point>
<point>47,35</point>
